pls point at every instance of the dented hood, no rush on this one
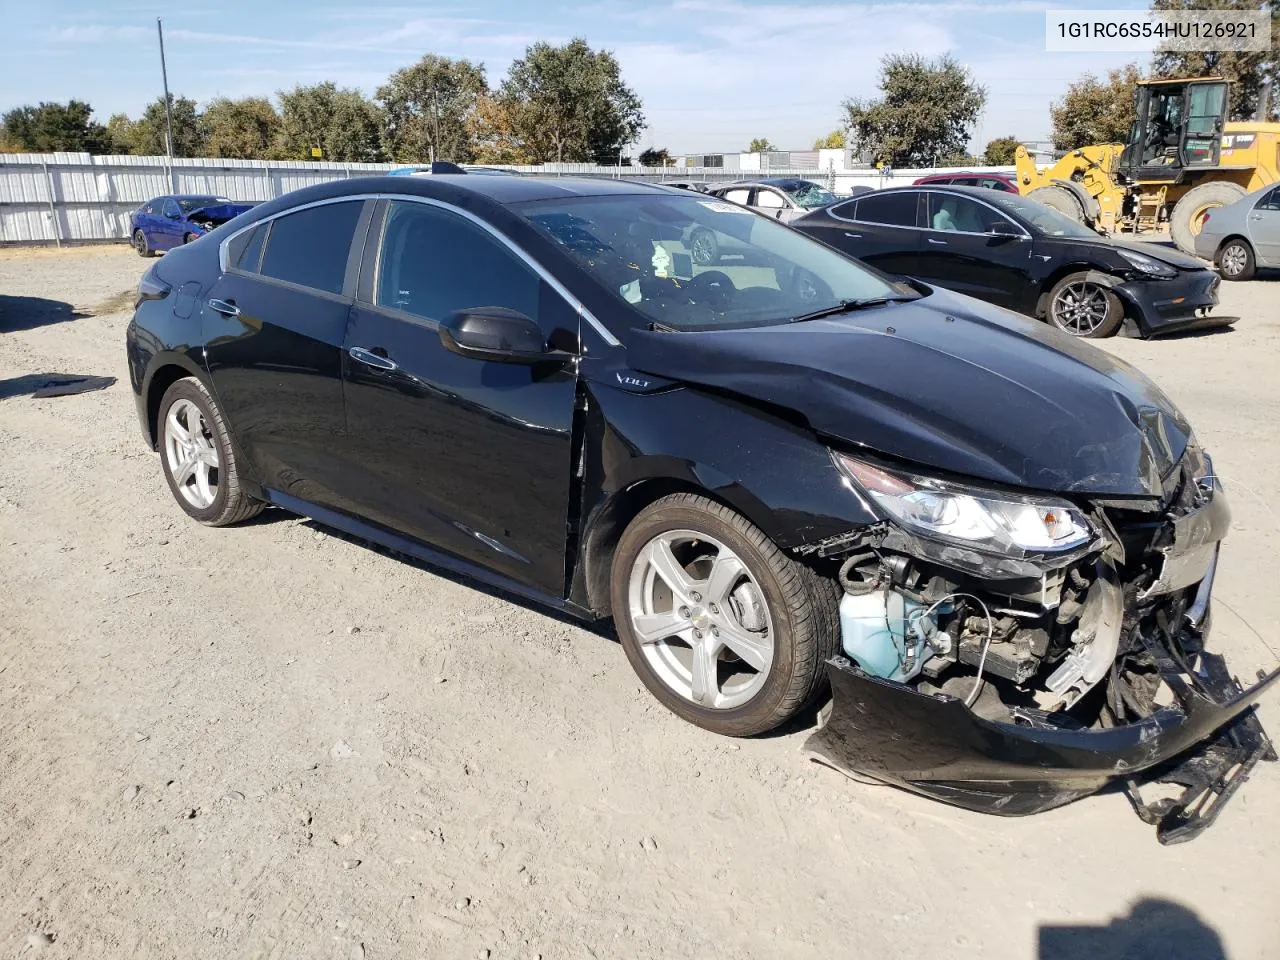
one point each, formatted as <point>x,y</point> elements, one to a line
<point>951,384</point>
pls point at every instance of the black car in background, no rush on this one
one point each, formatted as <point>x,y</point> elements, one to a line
<point>1019,254</point>
<point>780,474</point>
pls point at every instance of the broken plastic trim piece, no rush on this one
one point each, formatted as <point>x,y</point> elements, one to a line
<point>934,745</point>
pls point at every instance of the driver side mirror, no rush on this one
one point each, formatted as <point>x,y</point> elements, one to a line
<point>496,334</point>
<point>1003,228</point>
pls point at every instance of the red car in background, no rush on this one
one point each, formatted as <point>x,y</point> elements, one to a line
<point>992,181</point>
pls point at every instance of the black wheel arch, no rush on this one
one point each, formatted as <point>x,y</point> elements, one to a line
<point>166,370</point>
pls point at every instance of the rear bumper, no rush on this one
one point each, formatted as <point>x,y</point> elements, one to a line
<point>1186,301</point>
<point>934,745</point>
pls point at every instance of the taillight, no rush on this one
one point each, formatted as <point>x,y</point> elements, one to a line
<point>151,287</point>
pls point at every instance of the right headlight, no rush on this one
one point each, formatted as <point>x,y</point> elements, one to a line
<point>1003,523</point>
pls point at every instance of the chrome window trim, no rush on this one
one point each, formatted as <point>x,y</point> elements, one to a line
<point>577,305</point>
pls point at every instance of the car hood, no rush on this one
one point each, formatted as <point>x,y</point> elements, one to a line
<point>948,383</point>
<point>1170,255</point>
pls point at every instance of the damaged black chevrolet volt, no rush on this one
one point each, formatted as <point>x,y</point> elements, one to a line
<point>782,475</point>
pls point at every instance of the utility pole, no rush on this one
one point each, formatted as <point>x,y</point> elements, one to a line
<point>168,109</point>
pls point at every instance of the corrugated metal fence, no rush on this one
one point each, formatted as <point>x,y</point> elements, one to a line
<point>71,197</point>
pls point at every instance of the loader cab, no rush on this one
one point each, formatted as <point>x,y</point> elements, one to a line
<point>1177,127</point>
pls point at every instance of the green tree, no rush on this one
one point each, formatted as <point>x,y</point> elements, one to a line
<point>429,109</point>
<point>760,145</point>
<point>53,127</point>
<point>962,159</point>
<point>244,129</point>
<point>122,134</point>
<point>1247,71</point>
<point>149,132</point>
<point>655,157</point>
<point>1093,111</point>
<point>569,103</point>
<point>1000,151</point>
<point>926,110</point>
<point>832,141</point>
<point>340,123</point>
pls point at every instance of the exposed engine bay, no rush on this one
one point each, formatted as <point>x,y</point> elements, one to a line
<point>1013,686</point>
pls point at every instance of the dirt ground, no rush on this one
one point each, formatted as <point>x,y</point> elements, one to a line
<point>269,741</point>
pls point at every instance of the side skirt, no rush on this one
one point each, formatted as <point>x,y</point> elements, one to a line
<point>420,551</point>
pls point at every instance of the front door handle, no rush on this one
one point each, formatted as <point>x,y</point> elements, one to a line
<point>937,243</point>
<point>227,308</point>
<point>853,236</point>
<point>371,357</point>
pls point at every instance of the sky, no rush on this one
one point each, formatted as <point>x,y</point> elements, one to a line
<point>712,74</point>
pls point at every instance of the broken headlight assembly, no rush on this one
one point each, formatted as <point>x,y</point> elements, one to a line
<point>1000,523</point>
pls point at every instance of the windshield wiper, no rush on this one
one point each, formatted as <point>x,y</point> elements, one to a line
<point>848,306</point>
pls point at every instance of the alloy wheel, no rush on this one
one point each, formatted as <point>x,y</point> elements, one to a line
<point>701,619</point>
<point>1080,308</point>
<point>702,249</point>
<point>139,241</point>
<point>192,454</point>
<point>1233,260</point>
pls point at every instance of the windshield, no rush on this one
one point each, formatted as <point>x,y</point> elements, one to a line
<point>1045,219</point>
<point>189,204</point>
<point>810,195</point>
<point>698,263</point>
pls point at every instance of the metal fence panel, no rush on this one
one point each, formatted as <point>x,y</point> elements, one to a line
<point>72,197</point>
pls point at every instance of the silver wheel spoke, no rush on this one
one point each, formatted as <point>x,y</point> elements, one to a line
<point>654,627</point>
<point>704,681</point>
<point>754,649</point>
<point>202,482</point>
<point>186,470</point>
<point>207,454</point>
<point>726,571</point>
<point>666,566</point>
<point>176,428</point>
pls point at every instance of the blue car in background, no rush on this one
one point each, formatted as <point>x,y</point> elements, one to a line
<point>168,222</point>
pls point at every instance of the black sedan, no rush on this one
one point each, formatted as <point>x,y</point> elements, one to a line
<point>1018,253</point>
<point>781,475</point>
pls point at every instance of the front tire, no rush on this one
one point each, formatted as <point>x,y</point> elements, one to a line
<point>198,459</point>
<point>1236,260</point>
<point>1084,308</point>
<point>721,626</point>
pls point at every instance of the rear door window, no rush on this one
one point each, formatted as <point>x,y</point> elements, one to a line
<point>1269,201</point>
<point>890,209</point>
<point>311,247</point>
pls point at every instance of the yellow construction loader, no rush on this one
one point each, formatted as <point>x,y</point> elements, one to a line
<point>1182,160</point>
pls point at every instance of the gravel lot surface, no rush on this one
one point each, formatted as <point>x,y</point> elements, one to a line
<point>269,741</point>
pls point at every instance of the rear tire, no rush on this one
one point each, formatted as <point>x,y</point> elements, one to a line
<point>1235,260</point>
<point>1060,199</point>
<point>1187,219</point>
<point>140,244</point>
<point>1084,308</point>
<point>198,458</point>
<point>799,611</point>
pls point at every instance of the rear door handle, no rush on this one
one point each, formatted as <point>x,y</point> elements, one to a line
<point>227,308</point>
<point>371,358</point>
<point>937,243</point>
<point>1255,216</point>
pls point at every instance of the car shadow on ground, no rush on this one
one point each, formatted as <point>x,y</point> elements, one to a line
<point>27,313</point>
<point>1155,929</point>
<point>602,628</point>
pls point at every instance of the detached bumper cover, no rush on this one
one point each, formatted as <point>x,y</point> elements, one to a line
<point>1177,304</point>
<point>936,746</point>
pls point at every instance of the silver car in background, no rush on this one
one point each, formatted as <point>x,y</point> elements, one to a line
<point>1243,236</point>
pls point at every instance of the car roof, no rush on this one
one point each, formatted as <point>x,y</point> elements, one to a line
<point>466,188</point>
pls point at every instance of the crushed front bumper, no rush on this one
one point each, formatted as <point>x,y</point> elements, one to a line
<point>936,746</point>
<point>1165,306</point>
